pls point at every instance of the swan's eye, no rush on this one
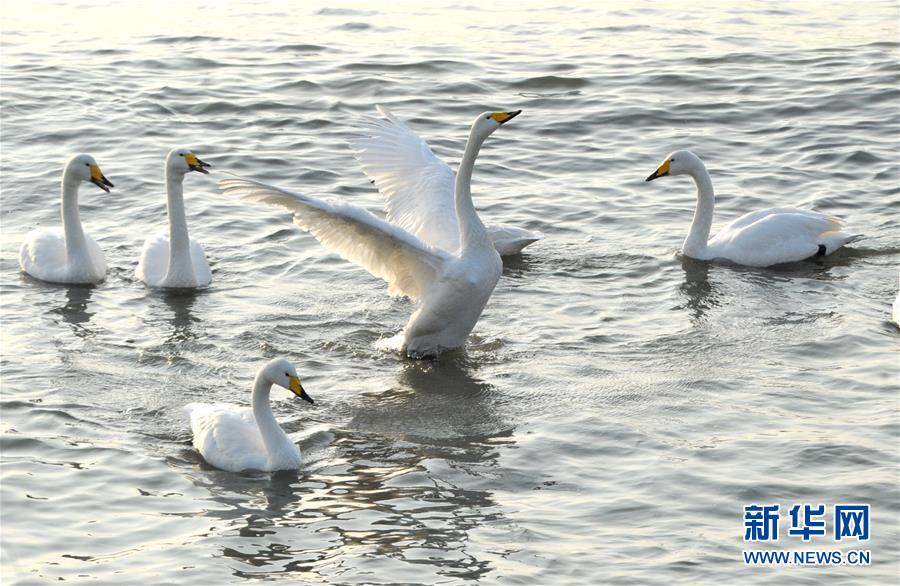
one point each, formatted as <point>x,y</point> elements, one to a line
<point>87,164</point>
<point>180,154</point>
<point>287,374</point>
<point>488,117</point>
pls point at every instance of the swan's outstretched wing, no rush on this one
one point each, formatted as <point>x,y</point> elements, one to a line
<point>407,264</point>
<point>418,187</point>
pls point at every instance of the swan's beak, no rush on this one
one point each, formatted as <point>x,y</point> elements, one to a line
<point>196,164</point>
<point>502,117</point>
<point>98,179</point>
<point>297,389</point>
<point>662,171</point>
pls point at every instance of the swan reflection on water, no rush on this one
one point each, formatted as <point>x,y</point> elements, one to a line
<point>731,282</point>
<point>699,294</point>
<point>75,311</point>
<point>180,303</point>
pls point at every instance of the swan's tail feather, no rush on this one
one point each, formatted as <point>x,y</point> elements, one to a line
<point>840,234</point>
<point>831,240</point>
<point>838,231</point>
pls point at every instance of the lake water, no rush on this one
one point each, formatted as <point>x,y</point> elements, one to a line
<point>616,406</point>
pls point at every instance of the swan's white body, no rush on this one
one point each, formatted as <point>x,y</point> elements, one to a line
<point>237,438</point>
<point>452,278</point>
<point>174,259</point>
<point>758,239</point>
<point>419,187</point>
<point>67,255</point>
<point>157,269</point>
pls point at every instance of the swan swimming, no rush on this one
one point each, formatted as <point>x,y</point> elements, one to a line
<point>451,285</point>
<point>67,255</point>
<point>419,187</point>
<point>174,259</point>
<point>758,239</point>
<point>237,438</point>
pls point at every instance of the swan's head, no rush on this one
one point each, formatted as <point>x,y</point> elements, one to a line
<point>184,161</point>
<point>85,168</point>
<point>282,373</point>
<point>488,122</point>
<point>677,163</point>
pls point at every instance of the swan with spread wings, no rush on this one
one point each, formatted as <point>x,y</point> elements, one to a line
<point>443,259</point>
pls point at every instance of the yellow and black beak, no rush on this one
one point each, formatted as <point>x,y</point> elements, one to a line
<point>297,389</point>
<point>503,117</point>
<point>195,164</point>
<point>662,171</point>
<point>98,179</point>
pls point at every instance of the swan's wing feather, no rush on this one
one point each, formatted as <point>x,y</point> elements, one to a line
<point>200,264</point>
<point>43,254</point>
<point>98,260</point>
<point>418,187</point>
<point>752,217</point>
<point>778,235</point>
<point>154,261</point>
<point>389,252</point>
<point>779,222</point>
<point>227,436</point>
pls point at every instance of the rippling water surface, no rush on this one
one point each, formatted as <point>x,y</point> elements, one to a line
<point>616,406</point>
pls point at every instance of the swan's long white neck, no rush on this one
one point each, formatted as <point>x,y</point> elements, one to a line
<point>273,436</point>
<point>180,270</point>
<point>472,233</point>
<point>76,246</point>
<point>696,242</point>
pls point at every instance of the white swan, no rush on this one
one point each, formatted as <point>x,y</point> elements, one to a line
<point>758,239</point>
<point>237,438</point>
<point>419,187</point>
<point>174,259</point>
<point>67,255</point>
<point>452,285</point>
